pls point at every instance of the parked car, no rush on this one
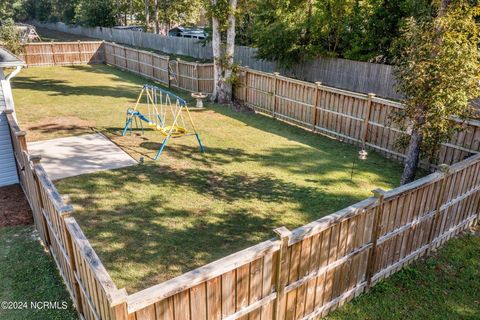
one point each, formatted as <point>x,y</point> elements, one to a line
<point>131,28</point>
<point>188,32</point>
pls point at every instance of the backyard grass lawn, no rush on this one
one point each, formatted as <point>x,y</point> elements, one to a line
<point>28,275</point>
<point>58,36</point>
<point>154,221</point>
<point>443,286</point>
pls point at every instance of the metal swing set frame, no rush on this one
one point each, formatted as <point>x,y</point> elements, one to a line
<point>159,102</point>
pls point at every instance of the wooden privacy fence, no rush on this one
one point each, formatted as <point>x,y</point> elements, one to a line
<point>190,76</point>
<point>349,116</point>
<point>309,271</point>
<point>93,292</point>
<point>63,53</point>
<point>346,74</point>
<point>304,273</point>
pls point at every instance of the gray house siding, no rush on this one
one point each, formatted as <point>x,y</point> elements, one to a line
<point>8,169</point>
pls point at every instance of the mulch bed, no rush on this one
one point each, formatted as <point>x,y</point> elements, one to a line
<point>14,208</point>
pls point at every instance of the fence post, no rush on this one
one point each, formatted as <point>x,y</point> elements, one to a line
<point>52,48</point>
<point>102,48</point>
<point>177,76</point>
<point>315,106</point>
<point>196,77</point>
<point>153,66</point>
<point>35,159</point>
<point>274,92</point>
<point>25,56</point>
<point>380,195</point>
<point>431,234</point>
<point>21,135</point>
<point>368,112</point>
<point>114,53</point>
<point>79,52</point>
<point>168,71</point>
<point>138,63</point>
<point>281,279</point>
<point>245,82</point>
<point>73,262</point>
<point>22,141</point>
<point>125,57</point>
<point>118,305</point>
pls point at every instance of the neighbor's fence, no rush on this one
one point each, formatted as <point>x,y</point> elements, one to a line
<point>93,292</point>
<point>190,76</point>
<point>63,53</point>
<point>349,116</point>
<point>341,73</point>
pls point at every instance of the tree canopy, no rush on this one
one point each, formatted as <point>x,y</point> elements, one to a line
<point>290,31</point>
<point>438,71</point>
<point>105,13</point>
<point>10,37</point>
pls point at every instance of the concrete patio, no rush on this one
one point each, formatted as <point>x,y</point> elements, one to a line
<point>73,156</point>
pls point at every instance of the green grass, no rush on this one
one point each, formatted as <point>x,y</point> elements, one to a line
<point>56,36</point>
<point>152,222</point>
<point>444,286</point>
<point>28,275</point>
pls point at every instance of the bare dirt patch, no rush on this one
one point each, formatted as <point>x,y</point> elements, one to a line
<point>14,208</point>
<point>58,126</point>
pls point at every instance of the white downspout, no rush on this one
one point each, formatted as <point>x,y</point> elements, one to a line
<point>7,89</point>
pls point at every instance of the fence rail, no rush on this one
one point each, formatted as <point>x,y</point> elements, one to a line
<point>93,292</point>
<point>303,273</point>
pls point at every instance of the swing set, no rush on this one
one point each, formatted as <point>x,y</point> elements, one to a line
<point>160,111</point>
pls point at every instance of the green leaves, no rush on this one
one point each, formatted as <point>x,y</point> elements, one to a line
<point>438,71</point>
<point>295,30</point>
<point>10,37</point>
<point>95,13</point>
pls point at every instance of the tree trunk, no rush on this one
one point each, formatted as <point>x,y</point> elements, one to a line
<point>119,15</point>
<point>147,14</point>
<point>413,153</point>
<point>131,11</point>
<point>157,25</point>
<point>223,61</point>
<point>217,56</point>
<point>413,157</point>
<point>225,93</point>
<point>443,7</point>
<point>309,22</point>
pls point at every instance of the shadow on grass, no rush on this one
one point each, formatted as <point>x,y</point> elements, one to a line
<point>65,88</point>
<point>126,76</point>
<point>169,251</point>
<point>62,88</point>
<point>60,129</point>
<point>325,156</point>
<point>168,238</point>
